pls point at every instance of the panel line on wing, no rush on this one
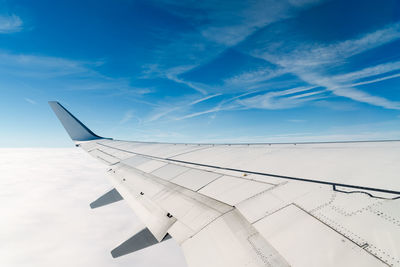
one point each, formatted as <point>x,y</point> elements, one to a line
<point>266,174</point>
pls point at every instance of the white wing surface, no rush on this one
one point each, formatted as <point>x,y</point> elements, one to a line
<point>305,204</point>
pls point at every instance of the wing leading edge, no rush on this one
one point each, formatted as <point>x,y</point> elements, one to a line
<point>244,205</point>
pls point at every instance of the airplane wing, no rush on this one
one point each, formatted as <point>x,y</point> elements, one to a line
<point>303,204</point>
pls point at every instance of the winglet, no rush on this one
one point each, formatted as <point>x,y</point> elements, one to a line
<point>76,129</point>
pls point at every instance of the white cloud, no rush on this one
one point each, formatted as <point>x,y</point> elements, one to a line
<point>30,101</point>
<point>35,66</point>
<point>235,23</point>
<point>127,117</point>
<point>284,99</point>
<point>250,79</point>
<point>281,99</point>
<point>220,26</point>
<point>376,80</point>
<point>307,60</point>
<point>63,73</point>
<point>173,76</point>
<point>180,106</point>
<point>162,111</point>
<point>367,72</point>
<point>307,94</point>
<point>349,92</point>
<point>308,55</point>
<point>204,99</point>
<point>154,70</point>
<point>216,26</point>
<point>230,23</point>
<point>268,101</point>
<point>364,97</point>
<point>10,24</point>
<point>46,220</point>
<point>195,114</point>
<point>225,104</point>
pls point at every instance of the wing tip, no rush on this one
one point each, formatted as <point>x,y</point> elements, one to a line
<point>74,127</point>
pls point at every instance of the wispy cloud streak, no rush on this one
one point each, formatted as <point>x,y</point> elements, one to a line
<point>216,27</point>
<point>127,117</point>
<point>185,104</point>
<point>368,72</point>
<point>376,80</point>
<point>204,99</point>
<point>281,99</point>
<point>30,101</point>
<point>306,61</point>
<point>10,23</point>
<point>74,74</point>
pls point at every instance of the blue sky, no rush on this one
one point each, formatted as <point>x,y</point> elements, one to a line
<point>201,71</point>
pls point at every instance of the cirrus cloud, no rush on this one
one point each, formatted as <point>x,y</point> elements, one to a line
<point>10,23</point>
